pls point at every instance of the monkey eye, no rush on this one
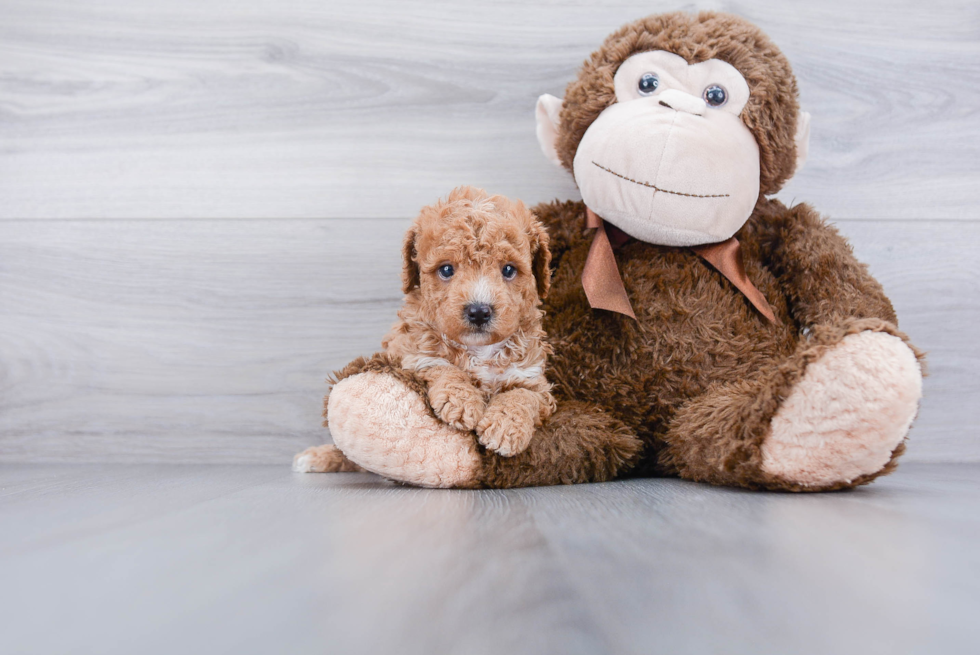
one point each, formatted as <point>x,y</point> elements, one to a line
<point>446,271</point>
<point>649,83</point>
<point>509,272</point>
<point>715,95</point>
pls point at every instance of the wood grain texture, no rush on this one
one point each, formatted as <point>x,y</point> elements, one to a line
<point>303,108</point>
<point>153,338</point>
<point>209,341</point>
<point>162,559</point>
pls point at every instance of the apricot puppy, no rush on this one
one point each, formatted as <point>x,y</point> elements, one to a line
<point>476,269</point>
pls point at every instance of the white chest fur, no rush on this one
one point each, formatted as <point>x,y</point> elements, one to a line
<point>494,367</point>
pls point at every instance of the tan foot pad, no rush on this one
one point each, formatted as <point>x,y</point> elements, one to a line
<point>847,414</point>
<point>384,426</point>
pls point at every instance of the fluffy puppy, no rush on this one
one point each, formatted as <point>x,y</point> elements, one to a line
<point>476,268</point>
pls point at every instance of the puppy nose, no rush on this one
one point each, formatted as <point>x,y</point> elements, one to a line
<point>479,313</point>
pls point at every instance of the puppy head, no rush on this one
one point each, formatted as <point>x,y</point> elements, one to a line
<point>477,266</point>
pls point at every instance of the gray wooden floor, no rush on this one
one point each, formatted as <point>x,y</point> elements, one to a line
<point>255,559</point>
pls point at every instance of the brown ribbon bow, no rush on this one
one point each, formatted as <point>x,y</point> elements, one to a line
<point>604,286</point>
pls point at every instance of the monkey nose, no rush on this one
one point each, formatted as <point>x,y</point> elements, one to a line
<point>685,102</point>
<point>479,314</point>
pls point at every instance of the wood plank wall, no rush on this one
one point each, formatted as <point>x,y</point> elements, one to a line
<point>201,203</point>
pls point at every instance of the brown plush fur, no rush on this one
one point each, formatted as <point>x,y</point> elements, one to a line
<point>699,375</point>
<point>488,378</point>
<point>690,387</point>
<point>718,438</point>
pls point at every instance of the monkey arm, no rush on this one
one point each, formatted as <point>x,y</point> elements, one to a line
<point>823,281</point>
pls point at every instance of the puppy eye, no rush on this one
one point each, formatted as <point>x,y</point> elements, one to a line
<point>715,95</point>
<point>648,84</point>
<point>509,271</point>
<point>446,271</point>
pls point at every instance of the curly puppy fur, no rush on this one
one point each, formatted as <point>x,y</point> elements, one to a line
<point>484,377</point>
<point>488,378</point>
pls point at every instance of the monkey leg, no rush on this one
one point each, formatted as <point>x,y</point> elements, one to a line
<point>379,417</point>
<point>833,415</point>
<point>387,427</point>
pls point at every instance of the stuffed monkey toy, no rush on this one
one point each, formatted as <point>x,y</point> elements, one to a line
<point>700,328</point>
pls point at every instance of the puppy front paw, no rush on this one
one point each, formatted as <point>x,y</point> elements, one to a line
<point>507,427</point>
<point>459,405</point>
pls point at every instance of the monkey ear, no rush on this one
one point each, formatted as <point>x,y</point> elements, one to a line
<point>802,139</point>
<point>546,114</point>
<point>411,278</point>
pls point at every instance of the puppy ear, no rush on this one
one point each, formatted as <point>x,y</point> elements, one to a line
<point>411,277</point>
<point>541,257</point>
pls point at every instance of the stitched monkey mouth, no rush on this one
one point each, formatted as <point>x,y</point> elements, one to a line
<point>656,188</point>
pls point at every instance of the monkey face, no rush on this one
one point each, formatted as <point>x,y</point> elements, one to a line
<point>677,125</point>
<point>670,162</point>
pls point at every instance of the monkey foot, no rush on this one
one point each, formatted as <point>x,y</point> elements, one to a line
<point>324,459</point>
<point>848,413</point>
<point>385,427</point>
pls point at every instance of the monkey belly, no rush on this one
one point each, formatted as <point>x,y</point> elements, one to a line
<point>693,330</point>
